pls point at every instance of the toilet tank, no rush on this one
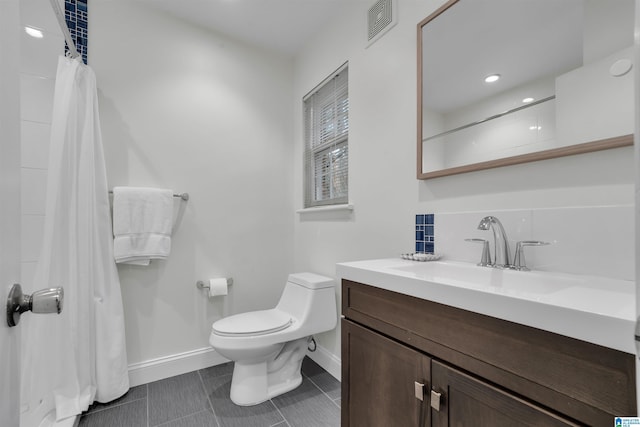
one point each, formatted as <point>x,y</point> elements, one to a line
<point>311,300</point>
<point>311,280</point>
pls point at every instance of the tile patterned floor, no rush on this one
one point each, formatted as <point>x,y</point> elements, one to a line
<point>201,399</point>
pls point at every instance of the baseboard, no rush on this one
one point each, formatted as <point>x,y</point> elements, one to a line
<point>175,364</point>
<point>328,361</point>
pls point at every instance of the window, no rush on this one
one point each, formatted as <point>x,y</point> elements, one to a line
<point>326,134</point>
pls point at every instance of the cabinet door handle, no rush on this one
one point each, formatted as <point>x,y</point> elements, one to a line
<point>436,398</point>
<point>419,390</point>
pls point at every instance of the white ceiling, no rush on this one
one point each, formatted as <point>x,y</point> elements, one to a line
<point>282,26</point>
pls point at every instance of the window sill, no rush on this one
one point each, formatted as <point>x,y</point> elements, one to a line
<point>330,208</point>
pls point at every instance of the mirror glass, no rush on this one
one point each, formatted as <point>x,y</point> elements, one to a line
<point>563,82</point>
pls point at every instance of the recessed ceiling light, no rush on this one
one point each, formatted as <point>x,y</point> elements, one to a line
<point>33,32</point>
<point>527,100</point>
<point>492,78</point>
<point>535,127</point>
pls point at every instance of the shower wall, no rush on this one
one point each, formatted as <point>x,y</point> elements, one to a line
<point>38,62</point>
<point>184,108</point>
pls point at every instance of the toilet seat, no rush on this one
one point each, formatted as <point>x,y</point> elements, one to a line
<point>253,323</point>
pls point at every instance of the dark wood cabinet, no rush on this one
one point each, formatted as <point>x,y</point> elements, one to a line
<point>477,370</point>
<point>467,401</point>
<point>384,377</point>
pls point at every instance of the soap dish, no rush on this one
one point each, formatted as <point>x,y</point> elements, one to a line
<point>421,257</point>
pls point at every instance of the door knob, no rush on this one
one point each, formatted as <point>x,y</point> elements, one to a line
<point>42,301</point>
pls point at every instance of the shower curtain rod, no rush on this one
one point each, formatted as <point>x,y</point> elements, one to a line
<point>65,29</point>
<point>183,196</point>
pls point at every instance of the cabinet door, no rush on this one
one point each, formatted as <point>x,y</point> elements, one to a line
<point>467,401</point>
<point>381,381</point>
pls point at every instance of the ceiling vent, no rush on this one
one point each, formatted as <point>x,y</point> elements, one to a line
<point>381,18</point>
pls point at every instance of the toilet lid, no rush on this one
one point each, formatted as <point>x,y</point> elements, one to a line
<point>253,323</point>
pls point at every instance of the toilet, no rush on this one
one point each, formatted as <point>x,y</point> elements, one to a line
<point>268,346</point>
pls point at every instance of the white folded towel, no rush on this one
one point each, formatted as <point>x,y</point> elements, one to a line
<point>142,223</point>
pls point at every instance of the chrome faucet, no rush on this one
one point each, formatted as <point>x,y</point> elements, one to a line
<point>518,259</point>
<point>500,242</point>
<point>485,260</point>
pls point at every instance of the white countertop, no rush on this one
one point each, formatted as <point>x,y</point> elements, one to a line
<point>598,310</point>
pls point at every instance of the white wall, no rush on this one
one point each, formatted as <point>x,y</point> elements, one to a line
<point>382,143</point>
<point>186,109</point>
<point>382,140</point>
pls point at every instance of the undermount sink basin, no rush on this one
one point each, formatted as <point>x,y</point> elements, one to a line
<point>594,309</point>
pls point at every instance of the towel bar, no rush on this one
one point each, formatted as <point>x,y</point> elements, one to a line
<point>183,196</point>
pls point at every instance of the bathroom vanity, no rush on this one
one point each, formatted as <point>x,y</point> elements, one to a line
<point>438,344</point>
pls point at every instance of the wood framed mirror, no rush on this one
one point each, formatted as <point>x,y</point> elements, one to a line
<point>565,82</point>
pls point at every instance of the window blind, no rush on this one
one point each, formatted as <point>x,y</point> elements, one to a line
<point>326,159</point>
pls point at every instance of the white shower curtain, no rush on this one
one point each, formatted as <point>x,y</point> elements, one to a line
<point>77,357</point>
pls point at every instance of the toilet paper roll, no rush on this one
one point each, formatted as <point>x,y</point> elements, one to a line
<point>218,286</point>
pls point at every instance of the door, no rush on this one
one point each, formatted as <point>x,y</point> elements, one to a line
<point>459,399</point>
<point>9,206</point>
<point>9,337</point>
<point>383,381</point>
<point>9,267</point>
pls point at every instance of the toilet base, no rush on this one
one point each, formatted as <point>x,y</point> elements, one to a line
<point>254,383</point>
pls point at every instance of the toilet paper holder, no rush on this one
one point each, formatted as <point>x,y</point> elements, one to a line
<point>201,284</point>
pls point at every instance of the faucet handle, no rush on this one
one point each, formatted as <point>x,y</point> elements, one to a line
<point>485,259</point>
<point>519,263</point>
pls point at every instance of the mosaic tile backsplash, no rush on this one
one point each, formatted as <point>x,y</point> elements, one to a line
<point>75,12</point>
<point>425,240</point>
